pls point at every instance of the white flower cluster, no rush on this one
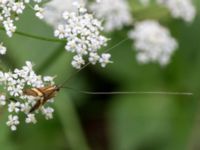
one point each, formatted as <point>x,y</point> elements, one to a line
<point>3,49</point>
<point>54,9</point>
<point>144,2</point>
<point>82,32</point>
<point>11,9</point>
<point>153,42</point>
<point>180,9</point>
<point>17,102</point>
<point>116,14</point>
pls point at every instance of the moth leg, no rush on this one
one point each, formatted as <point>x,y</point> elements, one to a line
<point>37,105</point>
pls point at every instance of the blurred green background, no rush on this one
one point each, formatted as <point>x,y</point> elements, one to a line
<point>114,122</point>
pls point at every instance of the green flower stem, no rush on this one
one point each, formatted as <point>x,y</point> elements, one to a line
<point>75,137</point>
<point>70,122</point>
<point>36,37</point>
<point>67,113</point>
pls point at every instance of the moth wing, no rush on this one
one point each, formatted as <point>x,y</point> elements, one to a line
<point>39,91</point>
<point>49,91</point>
<point>30,92</point>
<point>46,88</point>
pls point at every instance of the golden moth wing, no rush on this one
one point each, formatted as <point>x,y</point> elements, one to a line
<point>30,92</point>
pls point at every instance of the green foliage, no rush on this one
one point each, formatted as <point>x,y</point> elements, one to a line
<point>131,122</point>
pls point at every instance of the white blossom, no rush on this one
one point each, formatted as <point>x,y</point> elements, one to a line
<point>31,118</point>
<point>105,59</point>
<point>14,107</point>
<point>60,32</point>
<point>183,9</point>
<point>153,42</point>
<point>78,61</point>
<point>55,8</point>
<point>144,2</point>
<point>82,33</point>
<point>10,11</point>
<point>116,14</point>
<point>18,7</point>
<point>16,100</point>
<point>2,100</point>
<point>39,11</point>
<point>12,122</point>
<point>25,107</point>
<point>3,49</point>
<point>48,112</point>
<point>49,79</point>
<point>93,58</point>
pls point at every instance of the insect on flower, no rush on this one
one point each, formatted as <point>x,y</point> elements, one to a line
<point>48,92</point>
<point>44,94</point>
<point>30,93</point>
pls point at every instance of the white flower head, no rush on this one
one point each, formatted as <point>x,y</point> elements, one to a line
<point>93,58</point>
<point>14,107</point>
<point>78,61</point>
<point>39,11</point>
<point>144,2</point>
<point>31,118</point>
<point>12,122</point>
<point>2,49</point>
<point>11,9</point>
<point>2,100</point>
<point>54,9</point>
<point>116,13</point>
<point>105,59</point>
<point>18,7</point>
<point>49,79</point>
<point>15,85</point>
<point>48,112</point>
<point>183,9</point>
<point>25,107</point>
<point>153,42</point>
<point>83,35</point>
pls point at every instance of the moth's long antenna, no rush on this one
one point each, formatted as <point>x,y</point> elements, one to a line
<point>116,45</point>
<point>73,74</point>
<point>130,92</point>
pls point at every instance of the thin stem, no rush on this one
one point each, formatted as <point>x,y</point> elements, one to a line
<point>36,37</point>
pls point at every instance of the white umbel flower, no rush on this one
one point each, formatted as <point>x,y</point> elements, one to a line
<point>2,100</point>
<point>83,35</point>
<point>2,49</point>
<point>105,59</point>
<point>18,7</point>
<point>10,11</point>
<point>39,11</point>
<point>78,61</point>
<point>48,112</point>
<point>93,58</point>
<point>14,107</point>
<point>116,14</point>
<point>153,42</point>
<point>183,9</point>
<point>55,8</point>
<point>31,118</point>
<point>12,122</point>
<point>144,2</point>
<point>16,100</point>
